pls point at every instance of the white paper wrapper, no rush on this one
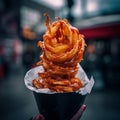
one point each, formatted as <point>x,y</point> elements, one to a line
<point>33,74</point>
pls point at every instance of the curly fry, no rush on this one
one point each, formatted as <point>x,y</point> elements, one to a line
<point>63,49</point>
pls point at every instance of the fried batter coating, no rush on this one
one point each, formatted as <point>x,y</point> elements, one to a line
<point>62,49</point>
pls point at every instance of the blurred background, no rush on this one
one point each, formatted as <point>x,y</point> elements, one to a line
<point>22,25</point>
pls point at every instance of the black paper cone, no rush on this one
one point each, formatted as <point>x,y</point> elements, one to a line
<point>59,106</point>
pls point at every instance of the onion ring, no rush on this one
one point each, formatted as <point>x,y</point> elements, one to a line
<point>62,49</point>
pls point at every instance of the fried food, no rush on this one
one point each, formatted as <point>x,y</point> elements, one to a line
<point>62,49</point>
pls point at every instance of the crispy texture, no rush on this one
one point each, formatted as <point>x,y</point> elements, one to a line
<point>63,49</point>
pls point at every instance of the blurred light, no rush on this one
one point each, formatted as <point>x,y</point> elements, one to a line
<point>29,16</point>
<point>92,6</point>
<point>52,3</point>
<point>28,34</point>
<point>77,10</point>
<point>98,20</point>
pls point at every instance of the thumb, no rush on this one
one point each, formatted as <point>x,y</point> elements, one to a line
<point>78,115</point>
<point>39,117</point>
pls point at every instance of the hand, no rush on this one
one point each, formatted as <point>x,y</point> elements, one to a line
<point>77,116</point>
<point>38,117</point>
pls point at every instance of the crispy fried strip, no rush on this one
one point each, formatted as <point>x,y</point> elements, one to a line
<point>63,49</point>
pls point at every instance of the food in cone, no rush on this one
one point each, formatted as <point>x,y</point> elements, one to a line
<point>59,83</point>
<point>62,50</point>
